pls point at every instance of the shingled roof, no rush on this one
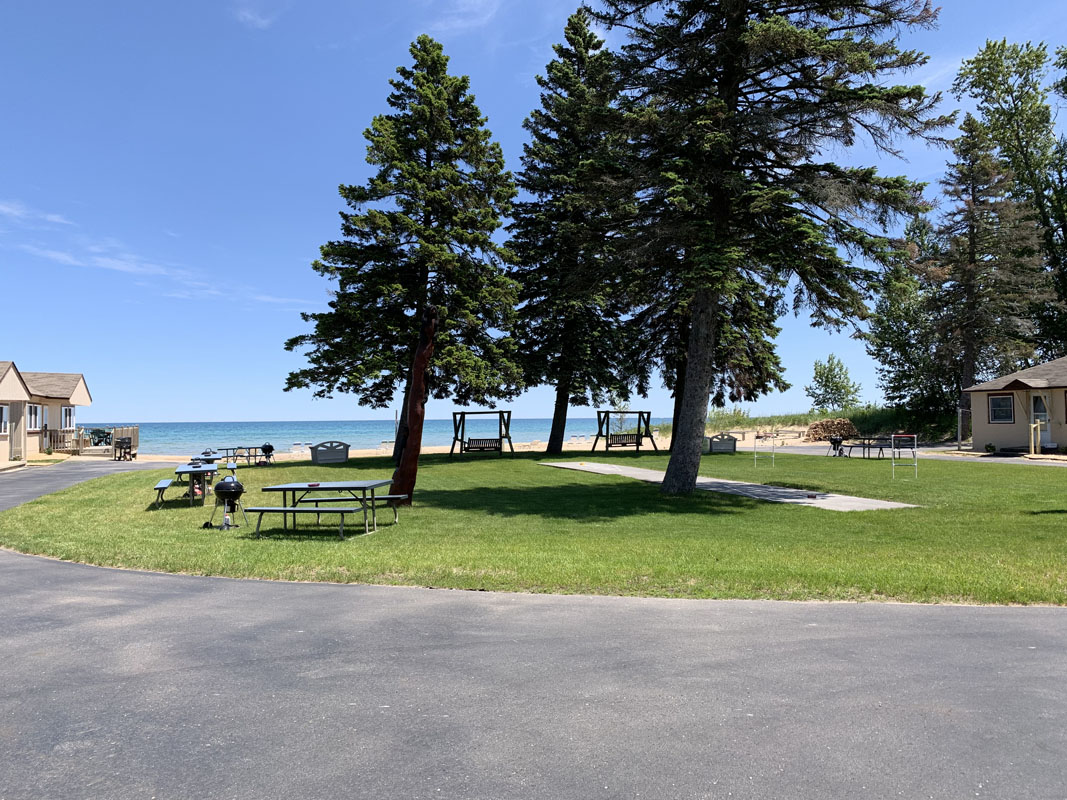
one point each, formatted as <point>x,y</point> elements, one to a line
<point>1052,375</point>
<point>4,367</point>
<point>59,385</point>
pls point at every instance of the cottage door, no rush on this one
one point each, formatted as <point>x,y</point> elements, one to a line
<point>1041,415</point>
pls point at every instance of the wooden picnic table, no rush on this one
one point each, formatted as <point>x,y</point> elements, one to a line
<point>867,444</point>
<point>250,454</point>
<point>199,475</point>
<point>293,493</point>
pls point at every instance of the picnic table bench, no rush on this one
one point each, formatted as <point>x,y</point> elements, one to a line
<point>160,488</point>
<point>261,510</point>
<point>391,500</point>
<point>867,445</point>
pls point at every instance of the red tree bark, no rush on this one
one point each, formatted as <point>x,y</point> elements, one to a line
<point>408,469</point>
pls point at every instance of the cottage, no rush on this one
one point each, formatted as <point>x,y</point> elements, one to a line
<point>1003,410</point>
<point>37,411</point>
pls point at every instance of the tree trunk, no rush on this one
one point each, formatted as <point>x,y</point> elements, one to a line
<point>559,418</point>
<point>688,437</point>
<point>401,435</point>
<point>679,392</point>
<point>408,469</point>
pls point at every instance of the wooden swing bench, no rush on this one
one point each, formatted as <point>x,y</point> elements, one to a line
<point>483,446</point>
<point>623,439</point>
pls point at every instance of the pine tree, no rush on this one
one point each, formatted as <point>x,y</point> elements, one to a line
<point>962,307</point>
<point>903,329</point>
<point>1007,81</point>
<point>570,327</point>
<point>733,103</point>
<point>991,274</point>
<point>417,241</point>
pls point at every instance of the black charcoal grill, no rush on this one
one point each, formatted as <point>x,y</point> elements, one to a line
<point>228,493</point>
<point>267,449</point>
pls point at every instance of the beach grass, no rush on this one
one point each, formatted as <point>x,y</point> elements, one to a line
<point>985,533</point>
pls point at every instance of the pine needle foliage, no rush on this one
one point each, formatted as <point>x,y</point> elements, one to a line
<point>419,234</point>
<point>735,103</point>
<point>570,328</point>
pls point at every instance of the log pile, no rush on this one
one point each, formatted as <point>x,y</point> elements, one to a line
<point>825,429</point>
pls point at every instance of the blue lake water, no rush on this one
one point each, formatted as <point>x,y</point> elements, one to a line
<point>186,438</point>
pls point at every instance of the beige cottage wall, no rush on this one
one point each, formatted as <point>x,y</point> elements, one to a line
<point>34,444</point>
<point>5,448</point>
<point>1002,435</point>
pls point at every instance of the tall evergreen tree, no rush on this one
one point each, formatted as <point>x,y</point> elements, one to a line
<point>735,101</point>
<point>991,274</point>
<point>1008,82</point>
<point>903,332</point>
<point>965,311</point>
<point>570,327</point>
<point>418,236</point>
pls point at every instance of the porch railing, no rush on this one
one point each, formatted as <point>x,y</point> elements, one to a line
<point>80,439</point>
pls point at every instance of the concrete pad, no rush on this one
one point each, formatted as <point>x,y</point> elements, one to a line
<point>757,491</point>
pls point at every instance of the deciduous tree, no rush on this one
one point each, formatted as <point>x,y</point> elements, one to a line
<point>830,388</point>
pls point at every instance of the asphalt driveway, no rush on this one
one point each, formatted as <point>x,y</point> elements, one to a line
<point>22,485</point>
<point>121,684</point>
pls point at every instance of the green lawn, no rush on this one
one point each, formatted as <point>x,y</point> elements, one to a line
<point>986,533</point>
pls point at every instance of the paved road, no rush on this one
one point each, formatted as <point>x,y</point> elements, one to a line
<point>22,485</point>
<point>131,685</point>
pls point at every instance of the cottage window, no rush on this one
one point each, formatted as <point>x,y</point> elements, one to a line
<point>68,418</point>
<point>4,413</point>
<point>1002,408</point>
<point>36,417</point>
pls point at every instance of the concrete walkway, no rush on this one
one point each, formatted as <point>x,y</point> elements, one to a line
<point>757,491</point>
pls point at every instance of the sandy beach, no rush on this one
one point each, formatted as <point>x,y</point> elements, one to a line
<point>787,438</point>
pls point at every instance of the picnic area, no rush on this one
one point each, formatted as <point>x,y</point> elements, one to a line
<point>982,533</point>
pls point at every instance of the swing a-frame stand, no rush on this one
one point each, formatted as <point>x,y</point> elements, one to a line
<point>490,445</point>
<point>629,439</point>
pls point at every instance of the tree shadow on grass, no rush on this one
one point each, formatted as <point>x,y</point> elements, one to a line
<point>804,487</point>
<point>583,502</point>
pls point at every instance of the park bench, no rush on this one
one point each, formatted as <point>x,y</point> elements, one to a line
<point>391,500</point>
<point>624,439</point>
<point>484,445</point>
<point>332,452</point>
<point>160,488</point>
<point>261,510</point>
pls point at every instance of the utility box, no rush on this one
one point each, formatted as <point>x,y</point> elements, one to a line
<point>720,443</point>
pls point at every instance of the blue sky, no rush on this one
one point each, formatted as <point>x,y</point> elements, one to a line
<point>168,171</point>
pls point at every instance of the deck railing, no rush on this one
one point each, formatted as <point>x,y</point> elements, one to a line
<point>81,439</point>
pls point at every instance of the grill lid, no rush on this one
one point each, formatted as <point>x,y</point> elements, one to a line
<point>229,488</point>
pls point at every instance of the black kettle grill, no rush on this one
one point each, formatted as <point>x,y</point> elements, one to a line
<point>267,449</point>
<point>228,493</point>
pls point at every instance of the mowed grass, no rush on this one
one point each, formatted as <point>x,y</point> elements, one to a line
<point>986,533</point>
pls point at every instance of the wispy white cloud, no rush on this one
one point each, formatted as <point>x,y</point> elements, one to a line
<point>20,212</point>
<point>58,256</point>
<point>293,301</point>
<point>464,15</point>
<point>257,14</point>
<point>104,257</point>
